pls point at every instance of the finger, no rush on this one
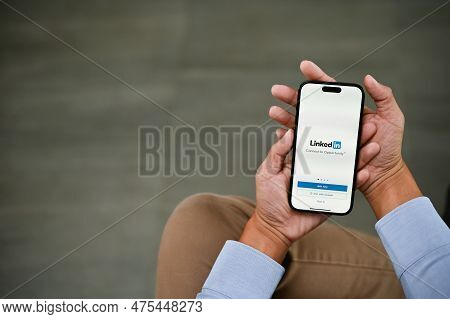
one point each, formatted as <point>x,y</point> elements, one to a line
<point>362,177</point>
<point>367,153</point>
<point>381,94</point>
<point>277,154</point>
<point>282,116</point>
<point>285,94</point>
<point>367,132</point>
<point>312,72</point>
<point>280,132</point>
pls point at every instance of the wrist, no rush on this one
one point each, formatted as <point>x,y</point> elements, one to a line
<point>263,237</point>
<point>395,189</point>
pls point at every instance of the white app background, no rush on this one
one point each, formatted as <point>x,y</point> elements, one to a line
<point>323,171</point>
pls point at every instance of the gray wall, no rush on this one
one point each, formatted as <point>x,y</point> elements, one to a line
<point>68,133</point>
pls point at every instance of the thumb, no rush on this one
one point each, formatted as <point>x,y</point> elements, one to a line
<point>381,94</point>
<point>278,152</point>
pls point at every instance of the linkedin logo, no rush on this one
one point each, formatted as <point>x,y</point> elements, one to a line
<point>335,144</point>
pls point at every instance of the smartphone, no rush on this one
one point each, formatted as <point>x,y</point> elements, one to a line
<point>325,151</point>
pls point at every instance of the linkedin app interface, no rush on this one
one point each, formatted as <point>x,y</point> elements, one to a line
<point>327,136</point>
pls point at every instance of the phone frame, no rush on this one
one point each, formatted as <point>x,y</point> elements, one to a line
<point>291,183</point>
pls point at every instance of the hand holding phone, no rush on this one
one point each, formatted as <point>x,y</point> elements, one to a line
<point>380,163</point>
<point>274,224</point>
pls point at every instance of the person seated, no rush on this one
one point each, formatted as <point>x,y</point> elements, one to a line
<point>217,246</point>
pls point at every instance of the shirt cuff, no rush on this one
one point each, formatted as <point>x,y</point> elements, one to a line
<point>242,272</point>
<point>410,232</point>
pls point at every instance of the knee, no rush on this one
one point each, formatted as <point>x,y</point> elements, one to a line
<point>197,201</point>
<point>189,246</point>
<point>196,209</point>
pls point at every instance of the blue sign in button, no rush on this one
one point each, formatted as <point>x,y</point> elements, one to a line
<point>328,187</point>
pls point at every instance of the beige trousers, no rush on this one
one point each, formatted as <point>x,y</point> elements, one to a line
<point>329,262</point>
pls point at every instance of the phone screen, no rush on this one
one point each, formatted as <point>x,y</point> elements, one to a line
<point>325,149</point>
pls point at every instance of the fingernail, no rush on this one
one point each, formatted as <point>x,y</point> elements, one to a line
<point>278,133</point>
<point>372,79</point>
<point>290,132</point>
<point>271,109</point>
<point>275,86</point>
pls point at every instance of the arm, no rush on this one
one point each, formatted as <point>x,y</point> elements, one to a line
<point>251,267</point>
<point>413,234</point>
<point>418,244</point>
<point>241,272</point>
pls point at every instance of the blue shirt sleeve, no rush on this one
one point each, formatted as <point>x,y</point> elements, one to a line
<point>418,244</point>
<point>242,272</point>
<point>413,234</point>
